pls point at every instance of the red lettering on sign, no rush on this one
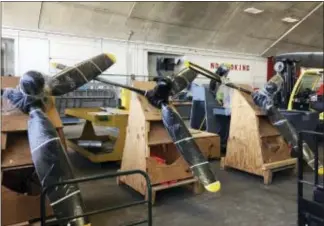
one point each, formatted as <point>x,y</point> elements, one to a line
<point>233,67</point>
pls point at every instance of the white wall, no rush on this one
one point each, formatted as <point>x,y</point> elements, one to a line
<point>35,50</point>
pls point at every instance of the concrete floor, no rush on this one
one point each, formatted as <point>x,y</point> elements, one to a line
<point>244,199</point>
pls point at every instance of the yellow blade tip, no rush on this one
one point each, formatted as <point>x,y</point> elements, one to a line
<point>186,63</point>
<point>53,64</point>
<point>111,57</point>
<point>321,171</point>
<point>213,187</point>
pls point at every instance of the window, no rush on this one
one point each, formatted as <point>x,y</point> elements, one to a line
<point>7,57</point>
<point>307,82</point>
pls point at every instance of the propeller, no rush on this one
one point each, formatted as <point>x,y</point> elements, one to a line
<point>285,128</point>
<point>180,135</point>
<point>52,165</point>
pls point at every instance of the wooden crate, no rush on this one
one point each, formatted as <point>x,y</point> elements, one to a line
<point>254,144</point>
<point>147,140</point>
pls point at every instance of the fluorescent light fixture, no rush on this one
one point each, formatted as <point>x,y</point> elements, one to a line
<point>253,10</point>
<point>289,20</point>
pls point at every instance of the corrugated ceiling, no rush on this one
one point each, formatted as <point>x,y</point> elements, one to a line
<point>212,25</point>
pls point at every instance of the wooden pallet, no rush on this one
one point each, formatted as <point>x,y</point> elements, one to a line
<point>254,145</point>
<point>147,139</point>
<point>269,169</point>
<point>192,183</point>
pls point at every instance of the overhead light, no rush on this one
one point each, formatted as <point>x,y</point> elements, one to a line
<point>289,20</point>
<point>253,10</point>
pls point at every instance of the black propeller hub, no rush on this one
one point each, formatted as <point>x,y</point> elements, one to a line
<point>161,92</point>
<point>32,83</point>
<point>222,70</point>
<point>29,94</point>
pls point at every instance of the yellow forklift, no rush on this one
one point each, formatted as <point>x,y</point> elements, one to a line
<point>297,90</point>
<point>308,82</point>
<point>295,98</point>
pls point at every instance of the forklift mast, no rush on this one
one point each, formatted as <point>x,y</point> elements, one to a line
<point>288,70</point>
<point>287,65</point>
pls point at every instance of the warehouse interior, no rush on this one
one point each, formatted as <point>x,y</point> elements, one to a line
<point>156,113</point>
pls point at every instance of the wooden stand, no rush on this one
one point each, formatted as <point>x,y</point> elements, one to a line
<point>254,145</point>
<point>147,143</point>
<point>15,155</point>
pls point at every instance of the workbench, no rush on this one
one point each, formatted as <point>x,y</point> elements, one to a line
<point>113,119</point>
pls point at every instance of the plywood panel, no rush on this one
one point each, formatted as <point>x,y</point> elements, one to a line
<point>158,134</point>
<point>266,129</point>
<point>17,152</point>
<point>274,148</point>
<point>3,141</point>
<point>253,141</point>
<point>160,173</point>
<point>243,150</point>
<point>17,208</point>
<point>147,138</point>
<point>17,121</point>
<point>134,154</point>
<point>9,82</point>
<point>150,112</point>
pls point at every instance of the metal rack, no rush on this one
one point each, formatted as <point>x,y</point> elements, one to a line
<point>93,94</point>
<point>100,177</point>
<point>310,211</point>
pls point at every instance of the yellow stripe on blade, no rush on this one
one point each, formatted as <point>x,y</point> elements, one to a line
<point>214,187</point>
<point>111,57</point>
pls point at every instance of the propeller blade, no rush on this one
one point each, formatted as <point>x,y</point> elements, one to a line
<point>52,166</point>
<point>59,66</point>
<point>289,133</point>
<point>72,78</point>
<point>103,79</point>
<point>181,80</point>
<point>106,81</point>
<point>214,76</point>
<point>189,149</point>
<point>203,71</point>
